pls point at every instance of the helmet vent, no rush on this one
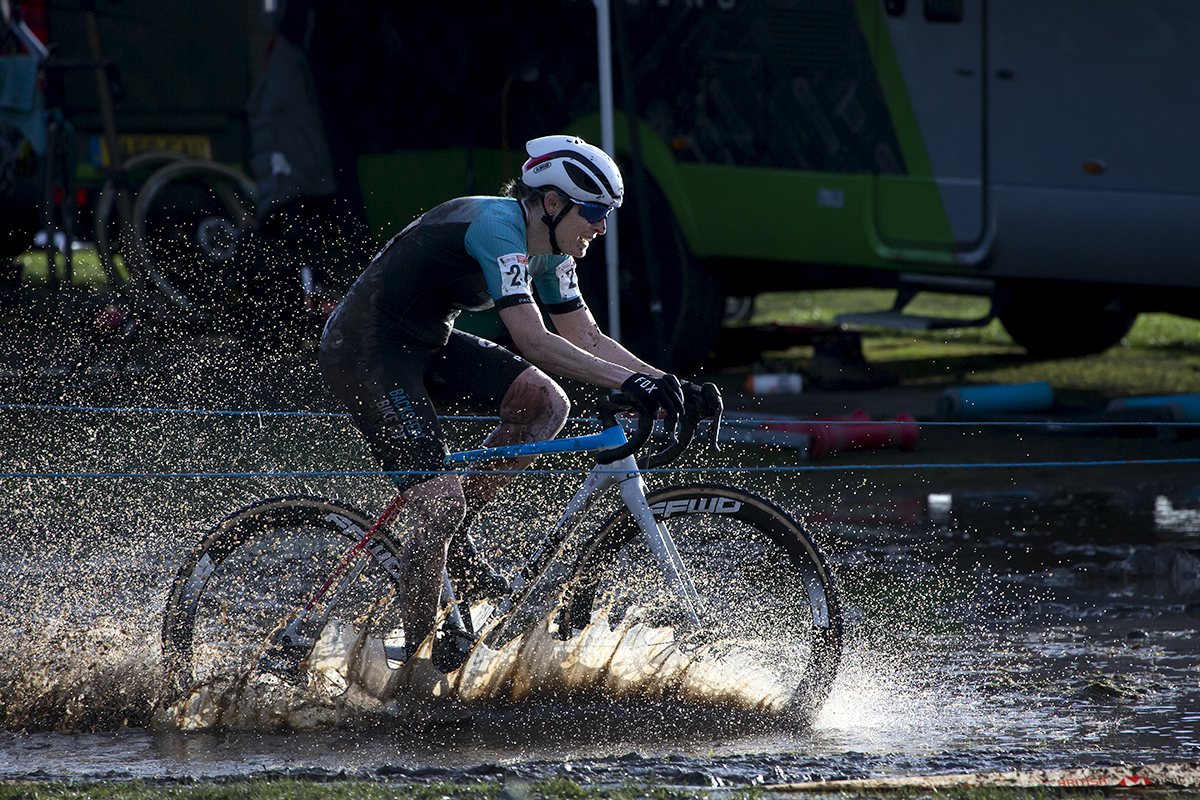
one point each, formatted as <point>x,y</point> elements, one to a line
<point>581,178</point>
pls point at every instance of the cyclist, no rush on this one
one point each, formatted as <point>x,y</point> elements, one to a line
<point>391,354</point>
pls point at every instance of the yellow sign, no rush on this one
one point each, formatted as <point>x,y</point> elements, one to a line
<point>194,145</point>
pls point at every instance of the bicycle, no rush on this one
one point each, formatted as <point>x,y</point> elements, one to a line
<point>730,577</point>
<point>186,221</point>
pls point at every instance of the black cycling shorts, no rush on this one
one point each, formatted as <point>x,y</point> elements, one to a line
<point>394,397</point>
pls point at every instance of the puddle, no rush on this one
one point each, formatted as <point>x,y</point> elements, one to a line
<point>1030,627</point>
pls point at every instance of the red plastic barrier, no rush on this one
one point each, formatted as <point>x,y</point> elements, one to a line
<point>825,438</point>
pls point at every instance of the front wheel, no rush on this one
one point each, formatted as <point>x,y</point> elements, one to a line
<point>254,571</point>
<point>771,635</point>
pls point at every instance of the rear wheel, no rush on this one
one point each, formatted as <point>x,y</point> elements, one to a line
<point>256,569</point>
<point>771,617</point>
<point>1060,323</point>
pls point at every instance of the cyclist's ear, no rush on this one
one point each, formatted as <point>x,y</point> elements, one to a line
<point>552,203</point>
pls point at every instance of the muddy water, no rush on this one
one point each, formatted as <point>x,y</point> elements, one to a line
<point>994,624</point>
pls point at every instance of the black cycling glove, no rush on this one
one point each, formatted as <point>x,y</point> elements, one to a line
<point>648,394</point>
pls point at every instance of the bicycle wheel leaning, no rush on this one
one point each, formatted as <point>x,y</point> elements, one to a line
<point>256,569</point>
<point>111,241</point>
<point>771,616</point>
<point>188,220</point>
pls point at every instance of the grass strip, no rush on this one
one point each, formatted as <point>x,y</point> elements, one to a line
<point>339,788</point>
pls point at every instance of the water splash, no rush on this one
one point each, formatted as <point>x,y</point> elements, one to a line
<point>351,681</point>
<point>70,664</point>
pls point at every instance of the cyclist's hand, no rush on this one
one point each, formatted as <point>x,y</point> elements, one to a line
<point>648,395</point>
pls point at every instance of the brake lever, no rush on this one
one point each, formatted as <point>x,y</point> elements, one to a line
<point>671,426</point>
<point>714,406</point>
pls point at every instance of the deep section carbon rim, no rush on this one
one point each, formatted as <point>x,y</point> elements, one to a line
<point>766,597</point>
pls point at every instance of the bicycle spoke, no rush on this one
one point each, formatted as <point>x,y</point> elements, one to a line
<point>255,573</point>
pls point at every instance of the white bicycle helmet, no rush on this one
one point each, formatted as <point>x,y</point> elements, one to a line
<point>573,168</point>
<point>576,170</point>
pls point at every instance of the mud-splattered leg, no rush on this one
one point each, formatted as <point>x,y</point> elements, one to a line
<point>534,409</point>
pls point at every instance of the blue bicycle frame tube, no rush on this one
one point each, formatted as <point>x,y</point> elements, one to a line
<point>609,437</point>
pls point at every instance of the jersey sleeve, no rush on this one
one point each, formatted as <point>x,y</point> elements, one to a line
<point>496,239</point>
<point>556,282</point>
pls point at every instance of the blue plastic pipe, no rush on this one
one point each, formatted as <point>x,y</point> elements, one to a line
<point>1188,404</point>
<point>1009,399</point>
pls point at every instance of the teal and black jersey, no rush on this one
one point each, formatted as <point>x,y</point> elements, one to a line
<point>464,255</point>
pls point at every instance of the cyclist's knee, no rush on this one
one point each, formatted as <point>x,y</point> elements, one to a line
<point>535,400</point>
<point>440,503</point>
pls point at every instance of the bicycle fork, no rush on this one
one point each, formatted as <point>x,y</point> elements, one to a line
<point>624,474</point>
<point>658,538</point>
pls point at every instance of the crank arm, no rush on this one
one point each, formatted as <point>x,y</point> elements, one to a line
<point>285,653</point>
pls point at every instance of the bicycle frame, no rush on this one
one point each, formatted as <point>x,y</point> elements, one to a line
<point>625,474</point>
<point>290,646</point>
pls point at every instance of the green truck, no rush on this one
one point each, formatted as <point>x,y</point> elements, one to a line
<point>1041,153</point>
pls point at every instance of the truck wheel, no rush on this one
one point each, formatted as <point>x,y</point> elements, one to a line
<point>691,292</point>
<point>1062,323</point>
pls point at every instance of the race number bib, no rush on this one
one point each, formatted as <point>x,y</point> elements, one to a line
<point>514,274</point>
<point>568,285</point>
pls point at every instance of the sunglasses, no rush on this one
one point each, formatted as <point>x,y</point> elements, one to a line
<point>593,212</point>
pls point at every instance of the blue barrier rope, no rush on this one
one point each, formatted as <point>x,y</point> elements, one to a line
<point>797,468</point>
<point>728,418</point>
<point>760,420</point>
<point>226,413</point>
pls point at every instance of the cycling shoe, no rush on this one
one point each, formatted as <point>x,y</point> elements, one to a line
<point>451,648</point>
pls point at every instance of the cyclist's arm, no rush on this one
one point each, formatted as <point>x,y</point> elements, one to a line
<point>580,329</point>
<point>557,355</point>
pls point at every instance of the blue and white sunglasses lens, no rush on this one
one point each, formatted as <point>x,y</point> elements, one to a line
<point>593,212</point>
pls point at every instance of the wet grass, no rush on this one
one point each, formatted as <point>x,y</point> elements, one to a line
<point>553,789</point>
<point>1160,355</point>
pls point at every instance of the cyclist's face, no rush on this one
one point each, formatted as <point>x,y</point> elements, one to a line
<point>575,232</point>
